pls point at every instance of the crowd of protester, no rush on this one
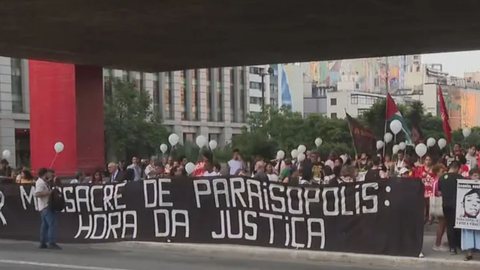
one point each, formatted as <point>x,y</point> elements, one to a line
<point>439,174</point>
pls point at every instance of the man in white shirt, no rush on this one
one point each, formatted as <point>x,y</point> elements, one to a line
<point>47,215</point>
<point>235,165</point>
<point>471,157</point>
<point>135,166</point>
<point>150,169</point>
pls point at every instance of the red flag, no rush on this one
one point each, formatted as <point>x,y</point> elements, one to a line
<point>363,139</point>
<point>444,113</point>
<point>392,108</point>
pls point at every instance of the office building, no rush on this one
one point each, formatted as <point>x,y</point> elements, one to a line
<point>14,110</point>
<point>211,102</point>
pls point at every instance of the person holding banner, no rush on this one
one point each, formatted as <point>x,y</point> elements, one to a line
<point>471,206</point>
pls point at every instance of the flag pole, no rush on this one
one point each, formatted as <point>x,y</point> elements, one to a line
<point>351,134</point>
<point>386,104</point>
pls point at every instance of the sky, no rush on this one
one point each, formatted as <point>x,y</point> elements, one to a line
<point>455,63</point>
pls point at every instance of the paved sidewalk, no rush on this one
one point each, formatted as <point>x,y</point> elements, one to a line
<point>429,240</point>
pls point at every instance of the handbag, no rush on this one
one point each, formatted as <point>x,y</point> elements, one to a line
<point>436,206</point>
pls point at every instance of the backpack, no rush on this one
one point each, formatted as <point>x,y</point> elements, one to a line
<point>56,201</point>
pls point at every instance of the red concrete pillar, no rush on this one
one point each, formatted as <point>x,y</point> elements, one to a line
<point>66,105</point>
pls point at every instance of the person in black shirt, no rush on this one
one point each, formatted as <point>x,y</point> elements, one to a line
<point>373,174</point>
<point>447,185</point>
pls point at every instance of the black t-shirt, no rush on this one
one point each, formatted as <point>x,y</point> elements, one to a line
<point>372,175</point>
<point>447,184</point>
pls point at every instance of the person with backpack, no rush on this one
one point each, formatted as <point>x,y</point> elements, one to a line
<point>48,215</point>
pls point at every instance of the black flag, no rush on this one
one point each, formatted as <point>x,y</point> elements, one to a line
<point>363,139</point>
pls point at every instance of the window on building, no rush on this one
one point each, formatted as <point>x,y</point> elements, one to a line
<point>196,95</point>
<point>255,70</point>
<point>209,95</point>
<point>243,95</point>
<point>108,84</point>
<point>357,86</point>
<point>333,101</point>
<point>183,92</point>
<point>214,136</point>
<point>156,93</point>
<point>188,137</point>
<point>255,85</point>
<point>354,99</point>
<point>168,95</point>
<point>220,89</point>
<point>232,95</point>
<point>333,115</point>
<point>17,91</point>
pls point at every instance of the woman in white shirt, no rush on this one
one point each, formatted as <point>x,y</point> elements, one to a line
<point>272,176</point>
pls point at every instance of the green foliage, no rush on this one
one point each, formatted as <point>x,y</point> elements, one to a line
<point>473,139</point>
<point>131,126</point>
<point>276,129</point>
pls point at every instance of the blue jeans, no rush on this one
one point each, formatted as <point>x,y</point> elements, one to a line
<point>48,229</point>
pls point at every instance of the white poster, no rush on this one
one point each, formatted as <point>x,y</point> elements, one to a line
<point>468,205</point>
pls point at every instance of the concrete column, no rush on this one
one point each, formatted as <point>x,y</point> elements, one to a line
<point>161,95</point>
<point>246,93</point>
<point>77,92</point>
<point>25,87</point>
<point>177,102</point>
<point>236,93</point>
<point>202,77</point>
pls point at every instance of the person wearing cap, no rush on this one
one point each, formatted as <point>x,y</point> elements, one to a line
<point>404,172</point>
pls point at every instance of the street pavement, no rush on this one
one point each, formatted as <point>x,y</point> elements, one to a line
<point>22,255</point>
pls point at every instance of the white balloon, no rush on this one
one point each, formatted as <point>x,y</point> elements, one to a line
<point>318,142</point>
<point>294,153</point>
<point>163,148</point>
<point>466,132</point>
<point>301,157</point>
<point>189,168</point>
<point>395,149</point>
<point>201,141</point>
<point>431,142</point>
<point>302,148</point>
<point>396,126</point>
<point>380,145</point>
<point>213,144</point>
<point>59,147</point>
<point>402,146</point>
<point>280,154</point>
<point>442,143</point>
<point>421,149</point>
<point>388,137</point>
<point>173,139</point>
<point>6,154</point>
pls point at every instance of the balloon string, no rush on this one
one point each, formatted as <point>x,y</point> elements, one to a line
<point>53,161</point>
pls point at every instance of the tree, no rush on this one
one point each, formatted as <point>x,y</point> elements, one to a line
<point>131,126</point>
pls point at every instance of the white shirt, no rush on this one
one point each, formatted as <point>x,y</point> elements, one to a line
<point>41,186</point>
<point>272,177</point>
<point>330,163</point>
<point>137,170</point>
<point>234,166</point>
<point>213,173</point>
<point>148,170</point>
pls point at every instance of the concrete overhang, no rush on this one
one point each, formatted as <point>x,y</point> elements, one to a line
<point>159,35</point>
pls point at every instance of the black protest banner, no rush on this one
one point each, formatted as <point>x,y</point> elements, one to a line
<point>370,217</point>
